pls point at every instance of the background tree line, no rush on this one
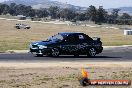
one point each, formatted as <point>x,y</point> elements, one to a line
<point>97,15</point>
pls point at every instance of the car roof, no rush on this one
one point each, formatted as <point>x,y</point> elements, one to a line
<point>68,33</point>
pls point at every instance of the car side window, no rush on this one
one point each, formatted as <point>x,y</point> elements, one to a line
<point>71,38</point>
<point>84,38</point>
<point>87,38</point>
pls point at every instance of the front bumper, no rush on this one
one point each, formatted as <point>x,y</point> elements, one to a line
<point>40,51</point>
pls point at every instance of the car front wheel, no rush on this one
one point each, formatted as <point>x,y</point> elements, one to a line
<point>39,55</point>
<point>92,52</point>
<point>55,52</point>
<point>17,28</point>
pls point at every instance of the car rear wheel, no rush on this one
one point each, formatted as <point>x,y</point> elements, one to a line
<point>17,28</point>
<point>28,27</point>
<point>55,52</point>
<point>92,52</point>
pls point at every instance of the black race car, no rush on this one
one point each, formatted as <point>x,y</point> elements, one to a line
<point>67,44</point>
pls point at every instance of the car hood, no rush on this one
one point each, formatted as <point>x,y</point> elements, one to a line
<point>43,43</point>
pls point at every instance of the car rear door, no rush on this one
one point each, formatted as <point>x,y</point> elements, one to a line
<point>84,43</point>
<point>70,44</point>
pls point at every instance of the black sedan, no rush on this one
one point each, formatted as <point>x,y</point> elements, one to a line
<point>67,44</point>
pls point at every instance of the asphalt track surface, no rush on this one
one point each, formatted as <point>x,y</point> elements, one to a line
<point>108,55</point>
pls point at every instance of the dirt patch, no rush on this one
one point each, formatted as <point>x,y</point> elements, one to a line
<point>60,76</point>
<point>64,64</point>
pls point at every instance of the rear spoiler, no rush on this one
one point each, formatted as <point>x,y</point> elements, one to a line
<point>96,38</point>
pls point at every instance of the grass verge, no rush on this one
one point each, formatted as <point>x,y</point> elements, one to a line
<point>13,39</point>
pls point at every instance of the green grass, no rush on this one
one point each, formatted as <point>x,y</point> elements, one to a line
<point>13,39</point>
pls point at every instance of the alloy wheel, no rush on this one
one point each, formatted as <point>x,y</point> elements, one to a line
<point>55,52</point>
<point>92,52</point>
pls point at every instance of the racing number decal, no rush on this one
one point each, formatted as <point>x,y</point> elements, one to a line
<point>69,48</point>
<point>72,48</point>
<point>82,46</point>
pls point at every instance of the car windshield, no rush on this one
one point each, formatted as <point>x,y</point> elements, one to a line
<point>57,37</point>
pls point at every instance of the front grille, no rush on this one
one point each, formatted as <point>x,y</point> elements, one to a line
<point>34,46</point>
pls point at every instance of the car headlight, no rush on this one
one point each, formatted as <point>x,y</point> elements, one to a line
<point>30,46</point>
<point>42,47</point>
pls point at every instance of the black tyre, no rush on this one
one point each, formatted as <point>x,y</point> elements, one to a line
<point>55,52</point>
<point>39,55</point>
<point>92,52</point>
<point>28,27</point>
<point>17,28</point>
